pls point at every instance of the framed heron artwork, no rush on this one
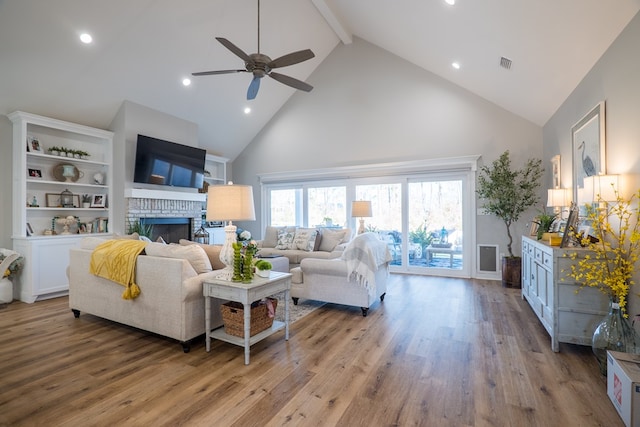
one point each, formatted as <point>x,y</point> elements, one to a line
<point>588,147</point>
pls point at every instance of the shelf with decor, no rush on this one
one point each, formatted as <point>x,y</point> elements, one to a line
<point>215,169</point>
<point>61,191</point>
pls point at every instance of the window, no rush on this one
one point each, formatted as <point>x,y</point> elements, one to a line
<point>420,209</point>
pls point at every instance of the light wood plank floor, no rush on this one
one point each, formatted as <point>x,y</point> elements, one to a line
<point>436,352</point>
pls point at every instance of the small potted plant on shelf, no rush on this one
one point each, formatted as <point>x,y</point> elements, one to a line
<point>544,221</point>
<point>263,268</point>
<point>86,200</point>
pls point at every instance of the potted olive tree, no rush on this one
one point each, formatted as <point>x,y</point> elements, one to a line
<point>507,193</point>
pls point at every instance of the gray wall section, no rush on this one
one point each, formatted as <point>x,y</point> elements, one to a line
<point>615,79</point>
<point>370,106</point>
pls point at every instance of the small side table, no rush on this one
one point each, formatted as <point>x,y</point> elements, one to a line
<point>246,293</point>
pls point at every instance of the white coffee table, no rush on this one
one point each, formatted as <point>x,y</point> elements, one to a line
<point>246,293</point>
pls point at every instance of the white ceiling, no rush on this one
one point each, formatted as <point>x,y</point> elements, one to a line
<point>144,48</point>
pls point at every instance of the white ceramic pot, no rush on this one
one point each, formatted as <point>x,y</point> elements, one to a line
<point>6,290</point>
<point>263,273</point>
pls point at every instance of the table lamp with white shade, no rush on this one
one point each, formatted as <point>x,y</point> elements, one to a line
<point>361,209</point>
<point>558,198</point>
<point>229,203</point>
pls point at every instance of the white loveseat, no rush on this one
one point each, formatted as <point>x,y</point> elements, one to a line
<point>345,280</point>
<point>171,301</point>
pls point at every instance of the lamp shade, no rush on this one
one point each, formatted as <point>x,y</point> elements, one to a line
<point>361,209</point>
<point>230,203</point>
<point>558,197</point>
<point>605,187</point>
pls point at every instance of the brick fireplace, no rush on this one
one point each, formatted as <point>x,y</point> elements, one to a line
<point>173,219</point>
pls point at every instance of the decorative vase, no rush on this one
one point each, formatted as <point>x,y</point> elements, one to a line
<point>237,262</point>
<point>247,266</point>
<point>6,290</point>
<point>615,333</point>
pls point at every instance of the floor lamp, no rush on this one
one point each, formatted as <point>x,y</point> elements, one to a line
<point>361,209</point>
<point>229,203</point>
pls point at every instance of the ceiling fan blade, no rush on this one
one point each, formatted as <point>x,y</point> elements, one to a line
<point>253,88</point>
<point>235,49</point>
<point>209,73</point>
<point>290,81</point>
<point>291,58</point>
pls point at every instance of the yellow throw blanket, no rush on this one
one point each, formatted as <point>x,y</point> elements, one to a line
<point>116,260</point>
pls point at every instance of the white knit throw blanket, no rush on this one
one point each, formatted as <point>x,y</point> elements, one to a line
<point>363,256</point>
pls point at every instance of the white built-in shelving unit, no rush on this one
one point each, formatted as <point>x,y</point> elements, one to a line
<point>38,231</point>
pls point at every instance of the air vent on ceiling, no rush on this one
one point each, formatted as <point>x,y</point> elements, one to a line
<point>505,63</point>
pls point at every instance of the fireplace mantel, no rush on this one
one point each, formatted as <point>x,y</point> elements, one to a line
<point>143,193</point>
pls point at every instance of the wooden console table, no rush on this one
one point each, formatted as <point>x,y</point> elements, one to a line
<point>246,293</point>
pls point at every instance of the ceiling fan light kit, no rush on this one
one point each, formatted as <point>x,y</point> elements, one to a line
<point>261,65</point>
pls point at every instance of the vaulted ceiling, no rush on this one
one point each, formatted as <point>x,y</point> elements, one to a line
<point>143,49</point>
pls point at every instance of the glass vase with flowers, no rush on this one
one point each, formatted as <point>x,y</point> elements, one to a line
<point>609,266</point>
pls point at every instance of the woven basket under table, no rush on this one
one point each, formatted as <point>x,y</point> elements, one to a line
<point>233,317</point>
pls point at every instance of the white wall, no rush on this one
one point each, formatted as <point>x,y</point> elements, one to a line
<point>133,119</point>
<point>615,79</point>
<point>369,106</point>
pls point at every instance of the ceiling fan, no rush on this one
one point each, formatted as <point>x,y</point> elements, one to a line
<point>260,65</point>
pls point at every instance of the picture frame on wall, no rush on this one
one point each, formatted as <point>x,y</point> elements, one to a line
<point>555,171</point>
<point>588,147</point>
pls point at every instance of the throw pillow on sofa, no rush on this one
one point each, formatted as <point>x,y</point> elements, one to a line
<point>196,256</point>
<point>270,239</point>
<point>285,239</point>
<point>331,238</point>
<point>212,251</point>
<point>305,239</point>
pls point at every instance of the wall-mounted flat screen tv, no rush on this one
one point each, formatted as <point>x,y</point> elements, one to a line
<point>168,163</point>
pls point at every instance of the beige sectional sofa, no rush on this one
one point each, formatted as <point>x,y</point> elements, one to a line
<point>171,301</point>
<point>297,243</point>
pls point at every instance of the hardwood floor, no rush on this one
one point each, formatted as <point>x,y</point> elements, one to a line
<point>436,352</point>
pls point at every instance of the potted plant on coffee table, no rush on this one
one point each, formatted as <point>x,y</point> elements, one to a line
<point>507,193</point>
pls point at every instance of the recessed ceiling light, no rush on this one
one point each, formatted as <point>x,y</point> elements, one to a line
<point>451,2</point>
<point>455,65</point>
<point>247,110</point>
<point>86,38</point>
<point>186,82</point>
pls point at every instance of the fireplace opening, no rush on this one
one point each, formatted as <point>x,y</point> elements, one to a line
<point>170,229</point>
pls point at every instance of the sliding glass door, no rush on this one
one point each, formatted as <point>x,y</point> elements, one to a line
<point>435,224</point>
<point>425,219</point>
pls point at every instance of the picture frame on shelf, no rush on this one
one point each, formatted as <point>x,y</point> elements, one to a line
<point>34,145</point>
<point>52,200</point>
<point>29,230</point>
<point>99,201</point>
<point>569,237</point>
<point>588,147</point>
<point>34,173</point>
<point>533,231</point>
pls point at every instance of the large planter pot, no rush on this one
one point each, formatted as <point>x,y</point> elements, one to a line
<point>512,272</point>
